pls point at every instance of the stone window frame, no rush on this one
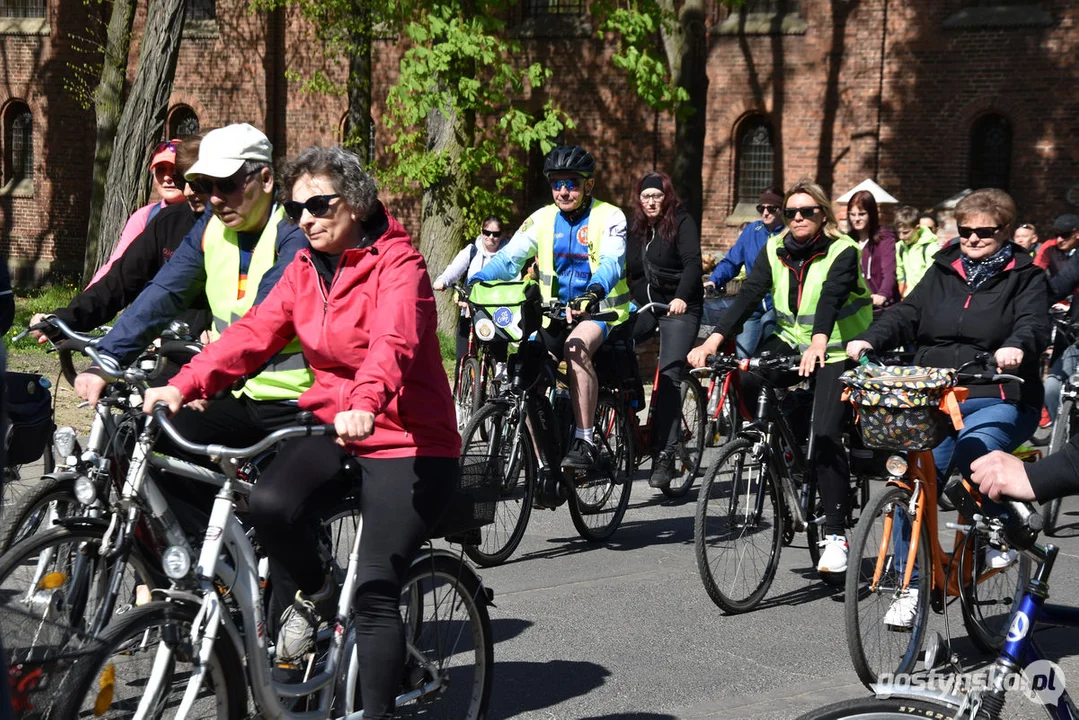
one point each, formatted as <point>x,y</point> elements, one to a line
<point>16,185</point>
<point>171,124</point>
<point>763,17</point>
<point>19,23</point>
<point>571,19</point>
<point>1014,14</point>
<point>745,209</point>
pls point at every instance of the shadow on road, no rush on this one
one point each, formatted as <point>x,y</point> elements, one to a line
<point>527,686</point>
<point>631,716</point>
<point>629,536</point>
<point>503,629</point>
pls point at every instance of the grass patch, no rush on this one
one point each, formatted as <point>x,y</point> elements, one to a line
<point>28,303</point>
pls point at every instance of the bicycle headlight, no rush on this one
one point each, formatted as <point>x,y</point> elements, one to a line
<point>485,329</point>
<point>85,491</point>
<point>896,465</point>
<point>63,439</point>
<point>176,562</point>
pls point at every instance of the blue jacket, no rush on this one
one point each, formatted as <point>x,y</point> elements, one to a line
<point>745,252</point>
<point>178,283</point>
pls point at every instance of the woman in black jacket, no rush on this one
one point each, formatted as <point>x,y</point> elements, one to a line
<point>980,295</point>
<point>663,264</point>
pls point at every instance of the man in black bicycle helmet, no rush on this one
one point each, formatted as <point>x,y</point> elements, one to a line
<point>579,244</point>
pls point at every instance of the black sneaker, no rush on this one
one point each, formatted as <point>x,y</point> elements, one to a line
<point>662,471</point>
<point>582,456</point>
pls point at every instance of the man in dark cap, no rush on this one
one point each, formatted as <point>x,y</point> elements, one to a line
<point>1054,252</point>
<point>744,253</point>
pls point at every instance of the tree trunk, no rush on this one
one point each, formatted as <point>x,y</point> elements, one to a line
<point>127,182</point>
<point>686,47</point>
<point>107,108</point>
<point>361,125</point>
<point>442,226</point>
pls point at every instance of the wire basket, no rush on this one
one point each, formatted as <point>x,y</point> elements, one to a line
<point>43,663</point>
<point>900,408</point>
<point>472,504</point>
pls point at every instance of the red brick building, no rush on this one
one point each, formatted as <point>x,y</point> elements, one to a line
<point>928,97</point>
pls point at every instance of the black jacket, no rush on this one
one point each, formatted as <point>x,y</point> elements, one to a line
<point>100,302</point>
<point>949,324</point>
<point>674,269</point>
<point>841,281</point>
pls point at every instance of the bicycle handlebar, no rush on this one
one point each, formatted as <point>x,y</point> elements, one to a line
<point>722,363</point>
<point>57,323</point>
<point>556,310</point>
<point>161,417</point>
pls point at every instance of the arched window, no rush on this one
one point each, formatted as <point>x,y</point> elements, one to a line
<point>182,122</point>
<point>991,152</point>
<point>18,143</point>
<point>200,10</point>
<point>756,158</point>
<point>22,8</point>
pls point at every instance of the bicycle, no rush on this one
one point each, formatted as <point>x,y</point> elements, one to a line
<point>902,698</point>
<point>197,632</point>
<point>880,573</point>
<point>521,434</point>
<point>1065,417</point>
<point>758,493</point>
<point>478,377</point>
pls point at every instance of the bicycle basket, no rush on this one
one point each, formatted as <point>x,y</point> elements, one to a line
<point>29,409</point>
<point>42,660</point>
<point>472,504</point>
<point>505,311</point>
<point>900,408</point>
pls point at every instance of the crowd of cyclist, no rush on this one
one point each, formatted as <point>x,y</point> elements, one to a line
<point>313,294</point>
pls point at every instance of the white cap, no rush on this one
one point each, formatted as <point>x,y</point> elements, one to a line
<point>224,151</point>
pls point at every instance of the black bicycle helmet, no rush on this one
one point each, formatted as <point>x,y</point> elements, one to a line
<point>569,159</point>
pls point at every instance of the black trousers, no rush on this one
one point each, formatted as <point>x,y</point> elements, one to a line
<point>677,333</point>
<point>401,500</point>
<point>830,418</point>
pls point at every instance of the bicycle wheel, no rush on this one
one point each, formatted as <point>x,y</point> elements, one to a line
<point>494,437</point>
<point>988,601</point>
<point>600,497</point>
<point>448,641</point>
<point>737,530</point>
<point>690,449</point>
<point>876,648</point>
<point>60,576</point>
<point>36,509</point>
<point>119,680</point>
<point>1060,437</point>
<point>468,390</point>
<point>882,709</point>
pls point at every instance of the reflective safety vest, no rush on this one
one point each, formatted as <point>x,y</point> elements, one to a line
<point>286,376</point>
<point>797,330</point>
<point>598,216</point>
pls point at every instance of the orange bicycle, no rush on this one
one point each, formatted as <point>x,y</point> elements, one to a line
<point>897,568</point>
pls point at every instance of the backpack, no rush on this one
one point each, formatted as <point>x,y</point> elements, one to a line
<point>29,416</point>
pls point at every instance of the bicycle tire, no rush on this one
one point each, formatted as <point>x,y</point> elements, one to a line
<point>27,512</point>
<point>860,603</point>
<point>996,589</point>
<point>719,519</point>
<point>141,630</point>
<point>689,452</point>
<point>1060,437</point>
<point>722,428</point>
<point>599,499</point>
<point>491,433</point>
<point>467,392</point>
<point>874,708</point>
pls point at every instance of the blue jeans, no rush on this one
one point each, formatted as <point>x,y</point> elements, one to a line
<point>759,325</point>
<point>988,424</point>
<point>1062,369</point>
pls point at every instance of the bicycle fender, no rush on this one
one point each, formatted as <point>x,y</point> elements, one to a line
<point>900,483</point>
<point>912,692</point>
<point>486,594</point>
<point>82,523</point>
<point>62,475</point>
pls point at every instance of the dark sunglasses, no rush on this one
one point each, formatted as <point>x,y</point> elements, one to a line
<point>773,209</point>
<point>807,212</point>
<point>167,145</point>
<point>492,233</point>
<point>317,205</point>
<point>568,183</point>
<point>983,232</point>
<point>225,186</point>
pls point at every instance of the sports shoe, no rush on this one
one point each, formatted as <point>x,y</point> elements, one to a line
<point>582,456</point>
<point>999,559</point>
<point>300,620</point>
<point>1044,421</point>
<point>662,471</point>
<point>834,557</point>
<point>900,615</point>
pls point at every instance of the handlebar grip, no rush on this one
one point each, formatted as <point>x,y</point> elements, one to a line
<point>1022,524</point>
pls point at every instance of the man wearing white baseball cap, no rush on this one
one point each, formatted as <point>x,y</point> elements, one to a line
<point>234,256</point>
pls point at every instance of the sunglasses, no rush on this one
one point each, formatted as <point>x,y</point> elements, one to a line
<point>317,205</point>
<point>806,212</point>
<point>568,184</point>
<point>225,186</point>
<point>492,233</point>
<point>773,209</point>
<point>983,232</point>
<point>162,146</point>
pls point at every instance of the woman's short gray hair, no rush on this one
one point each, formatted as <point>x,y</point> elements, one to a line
<point>344,171</point>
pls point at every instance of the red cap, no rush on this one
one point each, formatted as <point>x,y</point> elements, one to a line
<point>164,153</point>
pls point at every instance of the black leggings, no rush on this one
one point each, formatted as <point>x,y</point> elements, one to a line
<point>401,499</point>
<point>830,415</point>
<point>677,334</point>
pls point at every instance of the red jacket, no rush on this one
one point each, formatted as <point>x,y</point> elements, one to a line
<point>369,340</point>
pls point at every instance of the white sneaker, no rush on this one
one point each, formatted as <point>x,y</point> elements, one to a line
<point>500,372</point>
<point>900,615</point>
<point>834,557</point>
<point>999,559</point>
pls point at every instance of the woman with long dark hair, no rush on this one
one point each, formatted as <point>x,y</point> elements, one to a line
<point>663,264</point>
<point>878,249</point>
